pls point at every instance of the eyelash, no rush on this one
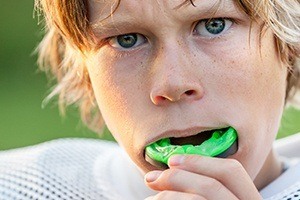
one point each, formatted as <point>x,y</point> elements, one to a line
<point>108,41</point>
<point>225,31</point>
<point>114,39</point>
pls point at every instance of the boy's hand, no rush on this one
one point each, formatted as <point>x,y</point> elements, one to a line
<point>197,177</point>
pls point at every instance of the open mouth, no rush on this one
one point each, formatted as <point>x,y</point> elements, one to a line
<point>193,140</point>
<point>214,143</point>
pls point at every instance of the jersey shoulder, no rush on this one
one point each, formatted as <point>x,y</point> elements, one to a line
<point>286,186</point>
<point>59,169</point>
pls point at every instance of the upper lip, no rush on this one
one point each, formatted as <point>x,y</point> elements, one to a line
<point>177,133</point>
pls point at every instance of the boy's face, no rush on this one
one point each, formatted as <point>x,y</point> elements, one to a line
<point>173,74</point>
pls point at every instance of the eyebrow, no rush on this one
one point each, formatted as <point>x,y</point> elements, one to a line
<point>185,3</point>
<point>116,22</point>
<point>192,2</point>
<point>112,25</point>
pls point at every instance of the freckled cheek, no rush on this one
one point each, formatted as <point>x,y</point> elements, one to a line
<point>246,73</point>
<point>117,88</point>
<point>110,95</point>
<point>252,89</point>
<point>249,85</point>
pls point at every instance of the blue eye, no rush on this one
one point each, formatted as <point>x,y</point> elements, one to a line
<point>212,27</point>
<point>127,41</point>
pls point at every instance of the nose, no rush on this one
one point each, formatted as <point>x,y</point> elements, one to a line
<point>175,78</point>
<point>174,94</point>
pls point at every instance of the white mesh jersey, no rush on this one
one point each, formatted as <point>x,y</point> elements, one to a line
<point>66,169</point>
<point>89,169</point>
<point>285,187</point>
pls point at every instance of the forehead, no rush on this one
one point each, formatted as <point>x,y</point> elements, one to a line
<point>103,9</point>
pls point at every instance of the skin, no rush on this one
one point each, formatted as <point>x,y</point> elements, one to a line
<point>178,82</point>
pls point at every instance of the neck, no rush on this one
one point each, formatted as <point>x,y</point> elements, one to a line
<point>271,169</point>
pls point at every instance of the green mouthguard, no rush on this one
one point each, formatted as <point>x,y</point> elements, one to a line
<point>220,141</point>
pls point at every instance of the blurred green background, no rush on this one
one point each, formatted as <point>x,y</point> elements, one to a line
<point>22,120</point>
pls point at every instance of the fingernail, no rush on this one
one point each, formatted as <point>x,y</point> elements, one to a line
<point>152,176</point>
<point>176,160</point>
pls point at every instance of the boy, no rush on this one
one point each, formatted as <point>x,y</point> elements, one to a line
<point>169,69</point>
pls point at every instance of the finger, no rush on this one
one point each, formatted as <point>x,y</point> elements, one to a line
<point>229,172</point>
<point>187,182</point>
<point>175,195</point>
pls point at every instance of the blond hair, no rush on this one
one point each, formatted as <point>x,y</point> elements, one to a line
<point>68,36</point>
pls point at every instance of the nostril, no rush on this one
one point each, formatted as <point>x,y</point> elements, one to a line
<point>190,92</point>
<point>160,98</point>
